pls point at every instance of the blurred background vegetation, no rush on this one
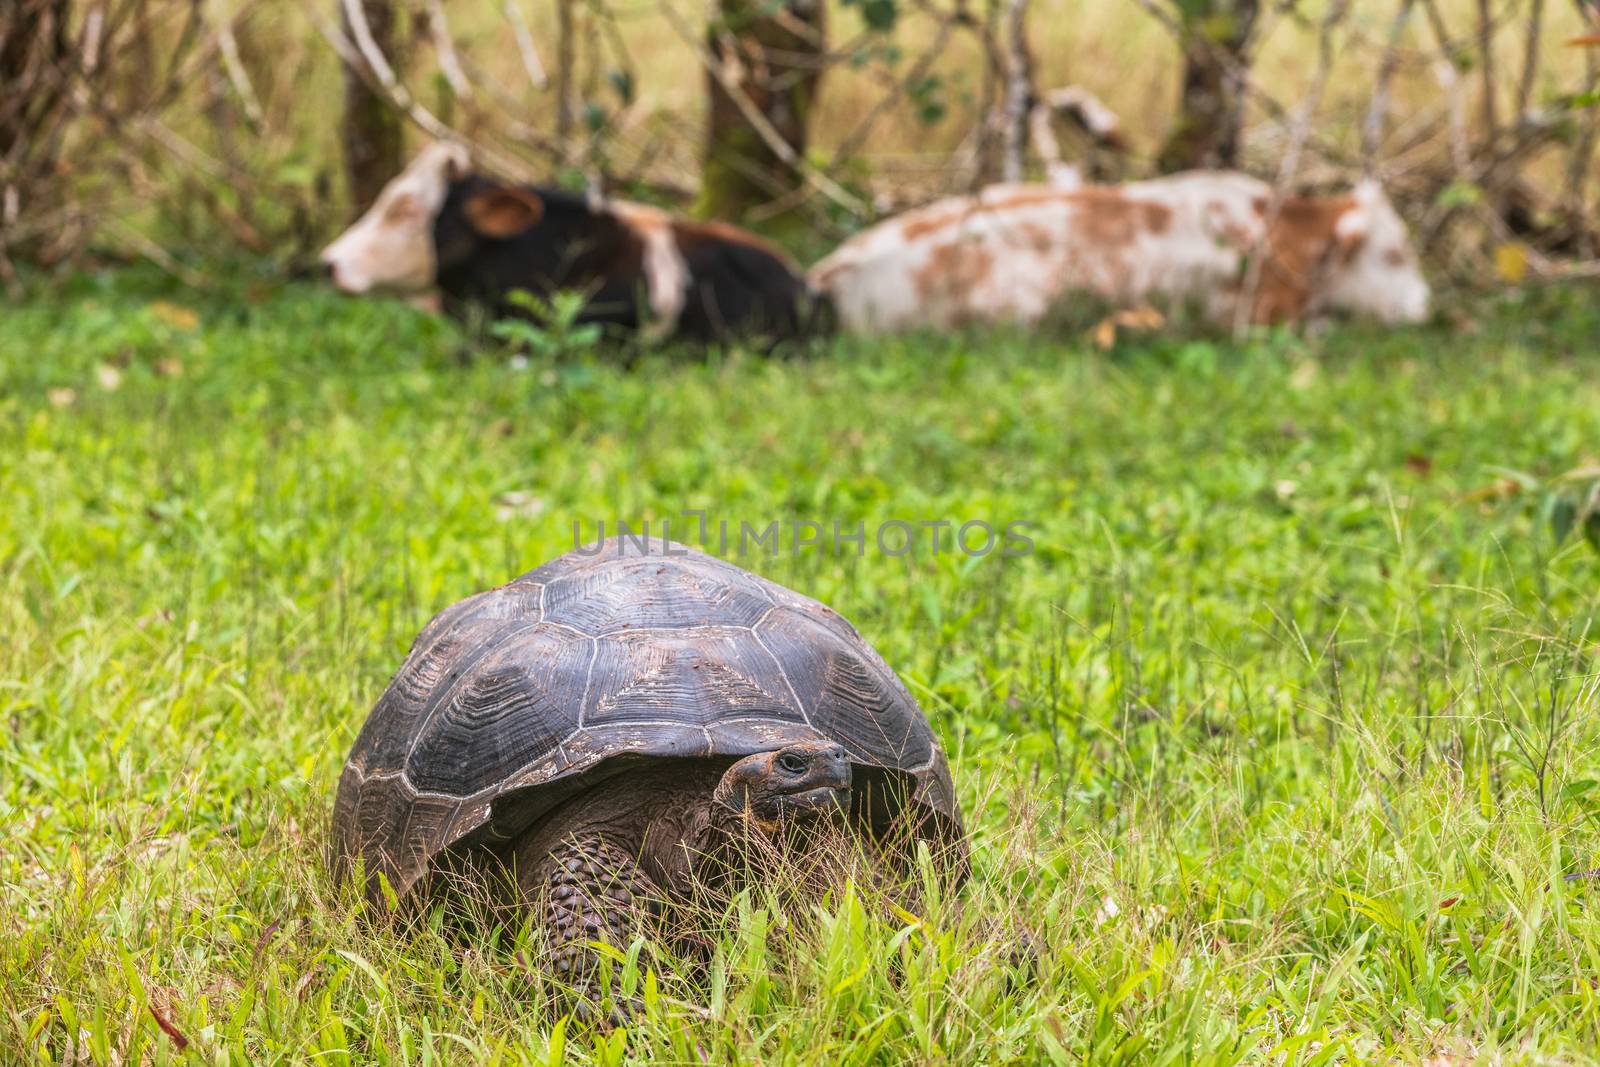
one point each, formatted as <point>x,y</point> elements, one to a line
<point>187,130</point>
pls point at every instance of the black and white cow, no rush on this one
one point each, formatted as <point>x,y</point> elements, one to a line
<point>440,228</point>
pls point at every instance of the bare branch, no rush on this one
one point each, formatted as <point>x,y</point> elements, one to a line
<point>1167,20</point>
<point>1300,132</point>
<point>524,38</point>
<point>894,94</point>
<point>1574,193</point>
<point>1530,55</point>
<point>1245,80</point>
<point>1491,119</point>
<point>1378,108</point>
<point>228,47</point>
<point>425,120</point>
<point>445,47</point>
<point>758,122</point>
<point>372,55</point>
<point>566,46</point>
<point>161,257</point>
<point>1449,79</point>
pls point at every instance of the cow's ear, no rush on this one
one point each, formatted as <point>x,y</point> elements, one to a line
<point>503,211</point>
<point>1350,231</point>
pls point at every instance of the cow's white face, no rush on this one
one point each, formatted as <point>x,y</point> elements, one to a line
<point>391,246</point>
<point>1377,273</point>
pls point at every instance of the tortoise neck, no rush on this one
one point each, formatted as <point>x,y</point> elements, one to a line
<point>726,841</point>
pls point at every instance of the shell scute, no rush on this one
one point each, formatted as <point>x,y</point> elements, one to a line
<point>643,594</point>
<point>516,704</point>
<point>696,677</point>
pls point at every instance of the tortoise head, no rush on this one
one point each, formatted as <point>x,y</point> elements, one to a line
<point>805,779</point>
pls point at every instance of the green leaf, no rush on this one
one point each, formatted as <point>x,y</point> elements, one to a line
<point>879,15</point>
<point>1560,513</point>
<point>1579,101</point>
<point>1591,529</point>
<point>621,84</point>
<point>556,1053</point>
<point>1460,194</point>
<point>391,900</point>
<point>364,967</point>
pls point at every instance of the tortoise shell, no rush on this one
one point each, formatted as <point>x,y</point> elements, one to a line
<point>514,699</point>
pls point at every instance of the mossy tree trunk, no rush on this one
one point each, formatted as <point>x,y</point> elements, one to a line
<point>1216,54</point>
<point>771,54</point>
<point>370,130</point>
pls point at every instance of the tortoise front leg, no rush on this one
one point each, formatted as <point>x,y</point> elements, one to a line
<point>588,889</point>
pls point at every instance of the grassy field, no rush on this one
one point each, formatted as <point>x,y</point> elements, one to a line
<point>1281,739</point>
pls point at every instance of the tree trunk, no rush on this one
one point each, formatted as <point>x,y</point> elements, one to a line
<point>370,129</point>
<point>34,72</point>
<point>1216,56</point>
<point>773,60</point>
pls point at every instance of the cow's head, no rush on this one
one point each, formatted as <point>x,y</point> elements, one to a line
<point>392,246</point>
<point>1371,268</point>
<point>477,211</point>
<point>431,218</point>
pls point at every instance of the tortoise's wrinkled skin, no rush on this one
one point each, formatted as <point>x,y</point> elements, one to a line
<point>610,721</point>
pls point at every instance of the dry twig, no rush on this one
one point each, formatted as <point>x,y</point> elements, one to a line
<point>525,49</point>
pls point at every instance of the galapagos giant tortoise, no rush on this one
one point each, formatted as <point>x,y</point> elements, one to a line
<point>611,720</point>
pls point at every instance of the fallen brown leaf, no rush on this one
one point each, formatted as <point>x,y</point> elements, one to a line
<point>1105,333</point>
<point>175,314</point>
<point>1498,490</point>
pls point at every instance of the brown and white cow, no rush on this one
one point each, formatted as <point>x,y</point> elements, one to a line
<point>1015,252</point>
<point>441,228</point>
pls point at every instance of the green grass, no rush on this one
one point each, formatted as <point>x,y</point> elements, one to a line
<point>1280,740</point>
